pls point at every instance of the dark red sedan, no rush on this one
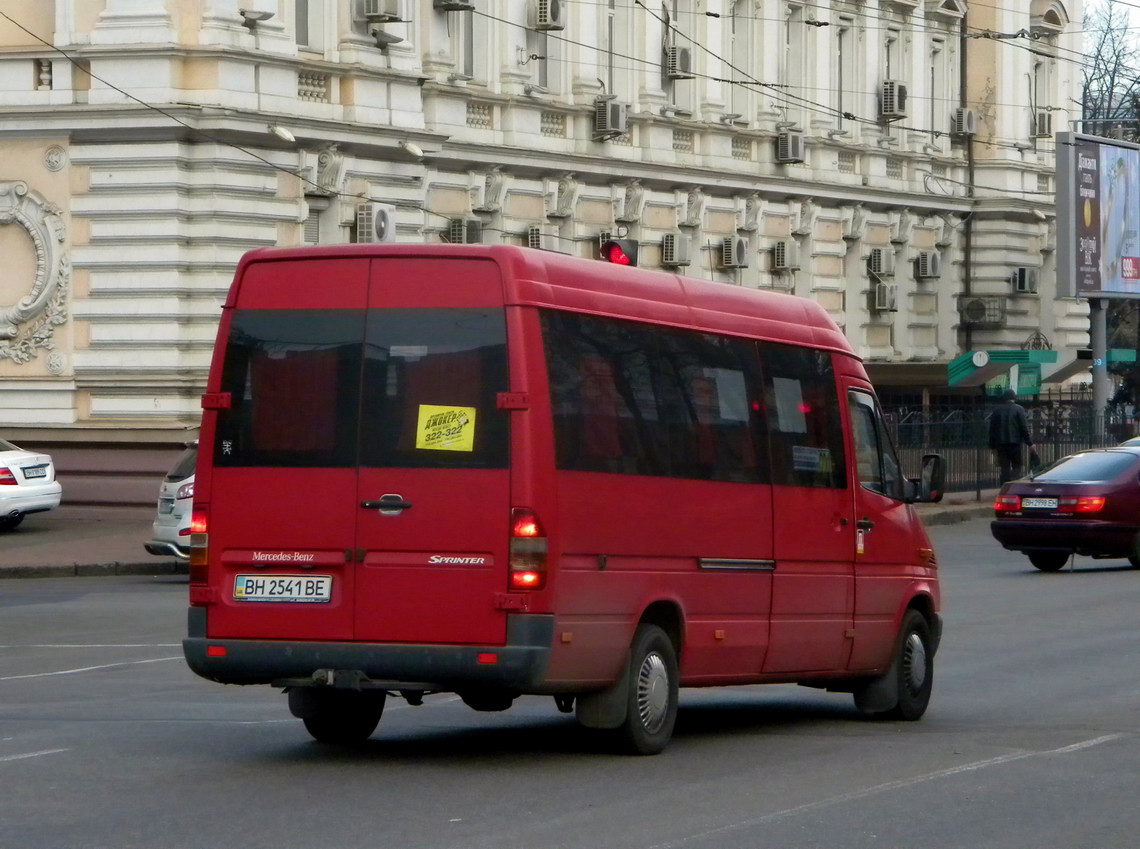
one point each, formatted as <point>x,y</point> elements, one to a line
<point>1088,503</point>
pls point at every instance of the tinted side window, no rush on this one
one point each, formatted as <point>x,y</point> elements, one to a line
<point>431,377</point>
<point>875,458</point>
<point>639,399</point>
<point>804,427</point>
<point>294,381</point>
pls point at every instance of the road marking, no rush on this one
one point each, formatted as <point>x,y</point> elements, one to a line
<point>4,758</point>
<point>95,646</point>
<point>890,785</point>
<point>88,668</point>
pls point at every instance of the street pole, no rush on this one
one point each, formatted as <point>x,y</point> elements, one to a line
<point>1099,338</point>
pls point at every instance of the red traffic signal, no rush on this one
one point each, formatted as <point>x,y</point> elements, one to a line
<point>620,251</point>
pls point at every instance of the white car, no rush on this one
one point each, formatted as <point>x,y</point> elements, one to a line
<point>27,484</point>
<point>170,533</point>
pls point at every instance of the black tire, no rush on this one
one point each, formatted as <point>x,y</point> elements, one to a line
<point>1049,561</point>
<point>9,522</point>
<point>914,666</point>
<point>342,717</point>
<point>651,706</point>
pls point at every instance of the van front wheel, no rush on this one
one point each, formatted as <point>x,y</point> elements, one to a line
<point>904,692</point>
<point>651,709</point>
<point>341,717</point>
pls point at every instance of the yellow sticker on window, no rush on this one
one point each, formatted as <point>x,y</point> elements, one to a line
<point>446,428</point>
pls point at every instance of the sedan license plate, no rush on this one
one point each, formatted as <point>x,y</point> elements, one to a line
<point>1039,503</point>
<point>290,588</point>
<point>35,472</point>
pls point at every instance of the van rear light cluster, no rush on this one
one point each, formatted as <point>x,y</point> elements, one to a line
<point>528,550</point>
<point>199,544</point>
<point>1082,504</point>
<point>1007,503</point>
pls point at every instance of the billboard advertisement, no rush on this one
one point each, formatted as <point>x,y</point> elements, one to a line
<point>1098,216</point>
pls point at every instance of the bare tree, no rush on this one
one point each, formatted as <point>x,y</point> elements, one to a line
<point>1111,89</point>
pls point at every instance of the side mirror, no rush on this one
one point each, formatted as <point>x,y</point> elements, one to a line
<point>928,488</point>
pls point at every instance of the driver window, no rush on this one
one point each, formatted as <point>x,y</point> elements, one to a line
<point>875,459</point>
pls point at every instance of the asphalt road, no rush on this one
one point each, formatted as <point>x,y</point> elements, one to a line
<point>107,740</point>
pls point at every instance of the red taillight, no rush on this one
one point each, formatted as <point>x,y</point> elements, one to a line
<point>215,651</point>
<point>1007,503</point>
<point>6,477</point>
<point>1082,504</point>
<point>198,520</point>
<point>528,550</point>
<point>199,545</point>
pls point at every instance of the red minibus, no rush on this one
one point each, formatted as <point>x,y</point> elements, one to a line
<point>496,471</point>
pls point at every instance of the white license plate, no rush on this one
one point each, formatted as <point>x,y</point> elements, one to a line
<point>166,505</point>
<point>291,588</point>
<point>1039,503</point>
<point>35,472</point>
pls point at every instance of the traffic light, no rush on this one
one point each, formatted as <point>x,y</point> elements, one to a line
<point>620,251</point>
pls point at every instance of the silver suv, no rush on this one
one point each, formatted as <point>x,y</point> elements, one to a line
<point>171,530</point>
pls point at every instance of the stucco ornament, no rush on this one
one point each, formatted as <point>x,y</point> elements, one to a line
<point>28,325</point>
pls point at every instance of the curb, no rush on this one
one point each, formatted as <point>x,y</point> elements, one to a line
<point>94,570</point>
<point>953,517</point>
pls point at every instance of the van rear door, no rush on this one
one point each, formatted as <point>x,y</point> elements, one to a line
<point>433,498</point>
<point>283,487</point>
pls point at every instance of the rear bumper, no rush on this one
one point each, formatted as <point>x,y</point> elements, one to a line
<point>519,665</point>
<point>167,549</point>
<point>1109,539</point>
<point>30,498</point>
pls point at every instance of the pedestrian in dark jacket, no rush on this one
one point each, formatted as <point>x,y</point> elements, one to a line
<point>1009,430</point>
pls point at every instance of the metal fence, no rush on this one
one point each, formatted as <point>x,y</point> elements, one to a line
<point>961,436</point>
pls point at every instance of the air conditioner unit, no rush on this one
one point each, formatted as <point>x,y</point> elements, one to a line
<point>928,265</point>
<point>785,256</point>
<point>881,262</point>
<point>379,11</point>
<point>375,222</point>
<point>534,237</point>
<point>789,146</point>
<point>678,63</point>
<point>547,15</point>
<point>1042,125</point>
<point>733,252</point>
<point>964,123</point>
<point>465,231</point>
<point>885,297</point>
<point>675,250</point>
<point>1023,281</point>
<point>892,100</point>
<point>982,312</point>
<point>610,118</point>
<point>453,6</point>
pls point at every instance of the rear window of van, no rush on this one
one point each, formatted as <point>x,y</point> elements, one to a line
<point>376,388</point>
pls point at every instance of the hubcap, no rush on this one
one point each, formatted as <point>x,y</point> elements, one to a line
<point>652,692</point>
<point>914,662</point>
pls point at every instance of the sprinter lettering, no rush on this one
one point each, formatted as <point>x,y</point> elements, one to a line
<point>458,561</point>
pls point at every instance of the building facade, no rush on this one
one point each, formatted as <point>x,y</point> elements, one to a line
<point>891,159</point>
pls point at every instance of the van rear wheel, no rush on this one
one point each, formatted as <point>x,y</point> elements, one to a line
<point>341,717</point>
<point>651,709</point>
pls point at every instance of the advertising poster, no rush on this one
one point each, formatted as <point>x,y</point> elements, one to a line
<point>1087,217</point>
<point>1098,216</point>
<point>1119,196</point>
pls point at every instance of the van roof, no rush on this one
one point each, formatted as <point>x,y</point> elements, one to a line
<point>549,279</point>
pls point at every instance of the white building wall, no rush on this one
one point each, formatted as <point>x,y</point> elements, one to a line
<point>159,199</point>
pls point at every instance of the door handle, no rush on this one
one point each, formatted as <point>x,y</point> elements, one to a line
<point>387,503</point>
<point>864,524</point>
